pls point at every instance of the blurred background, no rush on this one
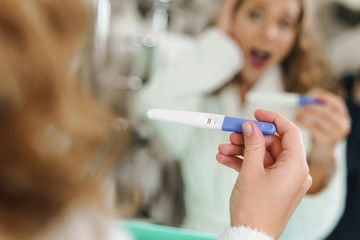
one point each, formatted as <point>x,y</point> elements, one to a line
<point>126,40</point>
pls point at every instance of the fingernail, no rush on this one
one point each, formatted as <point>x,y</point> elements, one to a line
<point>247,129</point>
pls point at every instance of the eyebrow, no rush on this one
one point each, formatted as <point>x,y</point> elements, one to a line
<point>292,14</point>
<point>257,6</point>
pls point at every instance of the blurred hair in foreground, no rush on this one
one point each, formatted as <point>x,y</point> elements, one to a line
<point>52,136</point>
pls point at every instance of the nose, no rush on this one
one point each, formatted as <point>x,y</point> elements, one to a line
<point>271,32</point>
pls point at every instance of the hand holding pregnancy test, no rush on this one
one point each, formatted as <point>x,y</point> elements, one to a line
<point>281,99</point>
<point>273,174</point>
<point>207,120</point>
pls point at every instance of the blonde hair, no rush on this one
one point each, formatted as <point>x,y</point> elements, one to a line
<point>306,67</point>
<point>50,131</point>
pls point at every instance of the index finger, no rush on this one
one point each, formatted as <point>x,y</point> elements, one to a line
<point>333,100</point>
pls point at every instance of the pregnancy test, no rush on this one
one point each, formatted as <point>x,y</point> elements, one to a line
<point>207,120</point>
<point>282,99</point>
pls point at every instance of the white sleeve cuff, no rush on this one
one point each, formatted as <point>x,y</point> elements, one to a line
<point>215,37</point>
<point>243,233</point>
<point>221,59</point>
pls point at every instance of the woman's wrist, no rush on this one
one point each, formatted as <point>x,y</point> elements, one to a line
<point>321,167</point>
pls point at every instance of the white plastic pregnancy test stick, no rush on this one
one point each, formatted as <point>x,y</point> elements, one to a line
<point>207,120</point>
<point>281,99</point>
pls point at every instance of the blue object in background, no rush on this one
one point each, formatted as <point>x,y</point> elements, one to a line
<point>306,100</point>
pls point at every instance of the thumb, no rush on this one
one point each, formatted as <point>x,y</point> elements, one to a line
<point>254,146</point>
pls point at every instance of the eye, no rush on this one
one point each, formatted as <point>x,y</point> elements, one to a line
<point>256,15</point>
<point>285,23</point>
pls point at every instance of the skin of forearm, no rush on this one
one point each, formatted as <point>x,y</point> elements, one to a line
<point>321,170</point>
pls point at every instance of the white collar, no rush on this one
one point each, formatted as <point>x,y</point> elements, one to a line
<point>270,81</point>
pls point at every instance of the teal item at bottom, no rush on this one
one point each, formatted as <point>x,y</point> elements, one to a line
<point>149,231</point>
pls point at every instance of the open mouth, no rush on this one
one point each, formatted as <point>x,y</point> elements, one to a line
<point>259,58</point>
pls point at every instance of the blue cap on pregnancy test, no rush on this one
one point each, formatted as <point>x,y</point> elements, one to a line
<point>306,100</point>
<point>233,124</point>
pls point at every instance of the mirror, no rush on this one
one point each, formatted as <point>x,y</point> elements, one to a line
<point>128,35</point>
